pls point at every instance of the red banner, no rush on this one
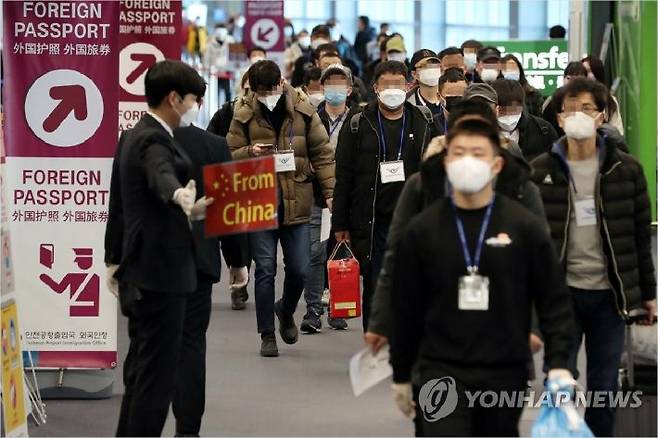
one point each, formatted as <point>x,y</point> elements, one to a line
<point>148,32</point>
<point>245,194</point>
<point>61,94</point>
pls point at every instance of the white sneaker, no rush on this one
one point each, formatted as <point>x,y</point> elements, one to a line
<point>325,297</point>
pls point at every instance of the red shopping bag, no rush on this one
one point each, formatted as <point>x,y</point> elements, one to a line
<point>344,284</point>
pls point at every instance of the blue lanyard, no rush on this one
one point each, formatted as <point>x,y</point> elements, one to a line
<point>334,125</point>
<point>382,144</point>
<point>472,266</point>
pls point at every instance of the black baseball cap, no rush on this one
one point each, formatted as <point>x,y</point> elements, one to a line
<point>422,55</point>
<point>488,53</point>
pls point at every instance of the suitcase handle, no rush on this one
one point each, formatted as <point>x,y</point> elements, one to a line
<point>634,319</point>
<point>338,245</point>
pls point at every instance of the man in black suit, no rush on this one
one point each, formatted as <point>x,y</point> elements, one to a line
<point>203,148</point>
<point>149,244</point>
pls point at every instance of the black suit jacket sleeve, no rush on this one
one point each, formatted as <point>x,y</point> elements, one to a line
<point>158,162</point>
<point>114,227</point>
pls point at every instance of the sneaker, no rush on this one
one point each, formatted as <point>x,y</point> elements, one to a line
<point>325,298</point>
<point>287,327</point>
<point>244,294</point>
<point>237,300</point>
<point>311,323</point>
<point>268,346</point>
<point>337,323</point>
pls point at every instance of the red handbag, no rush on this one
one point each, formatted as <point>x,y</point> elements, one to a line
<point>344,284</point>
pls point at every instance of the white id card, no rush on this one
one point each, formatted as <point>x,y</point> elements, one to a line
<point>473,292</point>
<point>585,212</point>
<point>392,171</point>
<point>284,161</point>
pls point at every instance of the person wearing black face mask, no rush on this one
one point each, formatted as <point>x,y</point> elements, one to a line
<point>149,246</point>
<point>451,89</point>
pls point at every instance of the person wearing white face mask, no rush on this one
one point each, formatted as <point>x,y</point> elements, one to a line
<point>376,151</point>
<point>470,49</point>
<point>312,86</point>
<point>277,119</point>
<point>533,135</point>
<point>215,60</point>
<point>426,71</point>
<point>512,69</point>
<point>300,48</point>
<point>395,50</point>
<point>488,65</point>
<point>152,203</point>
<point>456,282</point>
<point>599,212</point>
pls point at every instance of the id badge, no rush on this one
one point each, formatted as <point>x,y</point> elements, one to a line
<point>473,292</point>
<point>284,161</point>
<point>586,212</point>
<point>392,171</point>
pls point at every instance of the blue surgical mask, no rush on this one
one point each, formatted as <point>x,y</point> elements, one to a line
<point>513,75</point>
<point>335,96</point>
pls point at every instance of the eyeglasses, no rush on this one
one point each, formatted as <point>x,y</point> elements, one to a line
<point>589,109</point>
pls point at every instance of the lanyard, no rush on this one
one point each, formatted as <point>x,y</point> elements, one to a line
<point>334,125</point>
<point>382,144</point>
<point>472,265</point>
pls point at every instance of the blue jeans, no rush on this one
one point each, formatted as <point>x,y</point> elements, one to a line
<point>315,280</point>
<point>597,319</point>
<point>295,244</point>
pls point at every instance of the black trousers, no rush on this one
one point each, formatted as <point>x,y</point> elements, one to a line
<point>190,398</point>
<point>465,420</point>
<point>155,327</point>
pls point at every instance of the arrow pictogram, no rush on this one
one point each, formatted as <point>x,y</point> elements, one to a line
<point>262,34</point>
<point>145,61</point>
<point>73,98</point>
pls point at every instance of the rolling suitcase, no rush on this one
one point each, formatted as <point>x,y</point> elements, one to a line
<point>637,421</point>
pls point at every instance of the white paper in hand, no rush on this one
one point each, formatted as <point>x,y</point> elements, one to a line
<point>325,227</point>
<point>367,370</point>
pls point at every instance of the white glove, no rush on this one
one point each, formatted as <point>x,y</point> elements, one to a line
<point>199,209</point>
<point>185,197</point>
<point>562,375</point>
<point>239,277</point>
<point>403,398</point>
<point>111,282</point>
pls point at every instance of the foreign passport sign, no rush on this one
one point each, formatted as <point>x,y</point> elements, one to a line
<point>543,61</point>
<point>246,196</point>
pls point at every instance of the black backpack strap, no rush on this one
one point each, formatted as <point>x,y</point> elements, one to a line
<point>354,123</point>
<point>427,113</point>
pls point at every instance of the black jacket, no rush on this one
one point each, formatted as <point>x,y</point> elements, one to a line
<point>221,120</point>
<point>357,171</point>
<point>490,346</point>
<point>354,108</point>
<point>536,136</point>
<point>625,216</point>
<point>205,148</point>
<point>420,191</point>
<point>147,234</point>
<point>533,102</point>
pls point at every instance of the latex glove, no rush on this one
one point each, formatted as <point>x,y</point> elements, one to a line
<point>375,341</point>
<point>403,398</point>
<point>111,282</point>
<point>561,375</point>
<point>239,277</point>
<point>185,197</point>
<point>199,209</point>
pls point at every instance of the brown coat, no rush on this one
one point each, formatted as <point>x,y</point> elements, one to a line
<point>313,154</point>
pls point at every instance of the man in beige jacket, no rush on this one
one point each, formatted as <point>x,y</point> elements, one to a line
<point>277,119</point>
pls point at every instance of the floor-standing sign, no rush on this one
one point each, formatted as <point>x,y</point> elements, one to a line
<point>148,32</point>
<point>61,99</point>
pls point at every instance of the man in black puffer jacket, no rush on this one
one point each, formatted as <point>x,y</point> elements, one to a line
<point>430,184</point>
<point>599,213</point>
